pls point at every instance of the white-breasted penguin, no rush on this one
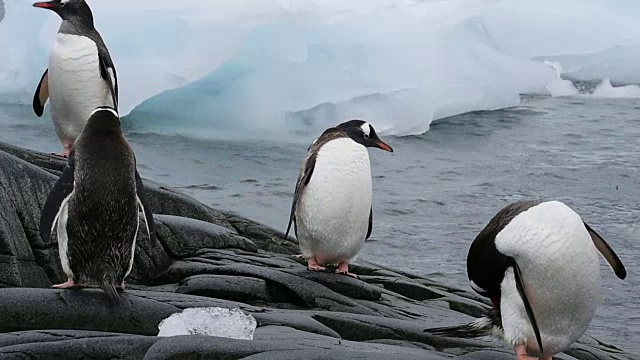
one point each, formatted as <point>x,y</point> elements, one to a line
<point>538,263</point>
<point>331,210</point>
<point>94,207</point>
<point>81,75</point>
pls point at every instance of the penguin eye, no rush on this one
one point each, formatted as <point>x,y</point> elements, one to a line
<point>366,136</point>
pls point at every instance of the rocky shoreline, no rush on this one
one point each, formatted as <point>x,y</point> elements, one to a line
<point>207,257</point>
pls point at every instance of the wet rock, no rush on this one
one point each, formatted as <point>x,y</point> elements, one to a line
<point>305,292</point>
<point>298,320</point>
<point>201,234</point>
<point>88,309</point>
<point>487,354</point>
<point>70,344</point>
<point>238,288</point>
<point>341,284</point>
<point>278,343</point>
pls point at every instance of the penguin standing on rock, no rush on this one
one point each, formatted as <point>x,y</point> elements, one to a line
<point>81,75</point>
<point>538,263</point>
<point>331,210</point>
<point>94,207</point>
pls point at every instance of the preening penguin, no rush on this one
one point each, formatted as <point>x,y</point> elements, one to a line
<point>81,75</point>
<point>94,207</point>
<point>538,263</point>
<point>331,210</point>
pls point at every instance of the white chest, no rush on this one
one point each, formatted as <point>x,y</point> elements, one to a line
<point>333,211</point>
<point>75,85</point>
<point>73,63</point>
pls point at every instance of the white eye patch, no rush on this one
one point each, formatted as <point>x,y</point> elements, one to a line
<point>64,1</point>
<point>366,130</point>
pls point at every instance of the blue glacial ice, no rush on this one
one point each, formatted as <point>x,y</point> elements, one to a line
<point>201,67</point>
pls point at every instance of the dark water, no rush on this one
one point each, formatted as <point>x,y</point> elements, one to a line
<point>438,190</point>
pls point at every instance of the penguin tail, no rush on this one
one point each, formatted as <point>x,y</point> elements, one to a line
<point>481,327</point>
<point>107,284</point>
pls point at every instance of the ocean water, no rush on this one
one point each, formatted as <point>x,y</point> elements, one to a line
<point>437,190</point>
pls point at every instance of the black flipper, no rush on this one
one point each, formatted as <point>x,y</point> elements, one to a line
<point>607,252</point>
<point>527,305</point>
<point>370,224</point>
<point>42,94</point>
<point>106,71</point>
<point>303,180</point>
<point>486,266</point>
<point>148,214</point>
<point>60,191</point>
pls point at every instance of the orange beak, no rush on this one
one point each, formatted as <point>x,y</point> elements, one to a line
<point>45,4</point>
<point>383,146</point>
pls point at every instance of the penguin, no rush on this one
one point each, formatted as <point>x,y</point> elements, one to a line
<point>81,75</point>
<point>331,209</point>
<point>538,263</point>
<point>93,207</point>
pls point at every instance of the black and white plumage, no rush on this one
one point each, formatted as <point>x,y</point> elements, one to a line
<point>538,263</point>
<point>81,75</point>
<point>94,205</point>
<point>331,210</point>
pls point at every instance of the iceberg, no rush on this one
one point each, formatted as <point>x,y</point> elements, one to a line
<point>606,90</point>
<point>618,63</point>
<point>212,321</point>
<point>202,68</point>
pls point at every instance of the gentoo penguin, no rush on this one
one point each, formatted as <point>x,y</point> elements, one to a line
<point>331,210</point>
<point>81,75</point>
<point>95,207</point>
<point>538,263</point>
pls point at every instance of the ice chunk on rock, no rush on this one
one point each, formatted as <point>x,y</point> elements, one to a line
<point>211,321</point>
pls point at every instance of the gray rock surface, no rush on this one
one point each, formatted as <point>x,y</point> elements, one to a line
<point>205,257</point>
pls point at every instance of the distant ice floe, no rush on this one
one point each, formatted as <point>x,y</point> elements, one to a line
<point>606,90</point>
<point>211,321</point>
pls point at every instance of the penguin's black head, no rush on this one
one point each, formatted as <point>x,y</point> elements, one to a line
<point>68,9</point>
<point>103,119</point>
<point>363,133</point>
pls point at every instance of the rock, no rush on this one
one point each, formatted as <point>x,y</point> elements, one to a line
<point>487,354</point>
<point>237,288</point>
<point>344,285</point>
<point>70,344</point>
<point>298,320</point>
<point>203,257</point>
<point>275,342</point>
<point>297,290</point>
<point>88,309</point>
<point>201,234</point>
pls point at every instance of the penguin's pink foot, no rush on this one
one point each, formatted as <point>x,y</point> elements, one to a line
<point>521,352</point>
<point>67,150</point>
<point>312,264</point>
<point>343,268</point>
<point>69,284</point>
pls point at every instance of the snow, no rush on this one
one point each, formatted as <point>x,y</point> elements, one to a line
<point>211,321</point>
<point>282,66</point>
